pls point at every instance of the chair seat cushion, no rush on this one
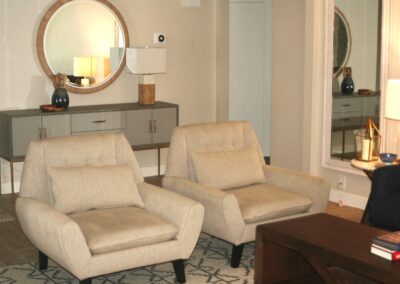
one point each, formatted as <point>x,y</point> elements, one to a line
<point>262,202</point>
<point>112,229</point>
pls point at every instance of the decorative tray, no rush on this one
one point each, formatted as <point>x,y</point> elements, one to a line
<point>51,108</point>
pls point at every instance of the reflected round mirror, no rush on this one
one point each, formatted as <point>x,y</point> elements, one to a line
<point>341,42</point>
<point>84,39</point>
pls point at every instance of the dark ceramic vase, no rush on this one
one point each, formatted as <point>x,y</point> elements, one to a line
<point>347,86</point>
<point>60,98</point>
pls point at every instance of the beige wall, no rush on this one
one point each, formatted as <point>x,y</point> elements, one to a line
<point>191,53</point>
<point>222,68</point>
<point>288,100</point>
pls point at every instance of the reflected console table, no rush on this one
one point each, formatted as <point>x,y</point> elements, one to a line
<point>349,113</point>
<point>145,126</point>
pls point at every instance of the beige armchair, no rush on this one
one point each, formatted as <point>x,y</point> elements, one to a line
<point>221,166</point>
<point>84,204</point>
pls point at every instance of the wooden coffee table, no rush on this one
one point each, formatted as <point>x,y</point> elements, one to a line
<point>320,249</point>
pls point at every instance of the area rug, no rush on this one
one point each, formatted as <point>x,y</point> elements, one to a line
<point>5,217</point>
<point>209,263</point>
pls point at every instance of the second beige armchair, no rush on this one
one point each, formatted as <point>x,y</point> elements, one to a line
<point>221,166</point>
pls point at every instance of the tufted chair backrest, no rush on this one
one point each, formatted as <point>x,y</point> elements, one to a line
<point>103,149</point>
<point>213,137</point>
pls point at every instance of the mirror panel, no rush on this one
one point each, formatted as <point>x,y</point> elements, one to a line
<point>341,42</point>
<point>84,39</point>
<point>359,50</point>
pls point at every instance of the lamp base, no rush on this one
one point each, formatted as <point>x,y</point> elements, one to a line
<point>147,94</point>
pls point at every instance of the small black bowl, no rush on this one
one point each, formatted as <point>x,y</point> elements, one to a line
<point>388,157</point>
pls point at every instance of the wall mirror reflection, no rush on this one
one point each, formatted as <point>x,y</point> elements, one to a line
<point>356,72</point>
<point>84,39</point>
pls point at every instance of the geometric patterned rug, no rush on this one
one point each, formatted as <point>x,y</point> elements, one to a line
<point>209,263</point>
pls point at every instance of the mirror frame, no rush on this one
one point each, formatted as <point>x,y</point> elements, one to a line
<point>327,161</point>
<point>41,49</point>
<point>349,43</point>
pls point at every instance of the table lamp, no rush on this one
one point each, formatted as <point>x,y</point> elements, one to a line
<point>146,62</point>
<point>85,67</point>
<point>392,109</point>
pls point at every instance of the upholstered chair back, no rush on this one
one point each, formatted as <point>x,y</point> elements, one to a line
<point>105,149</point>
<point>208,137</point>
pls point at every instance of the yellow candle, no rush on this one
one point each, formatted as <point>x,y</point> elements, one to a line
<point>365,150</point>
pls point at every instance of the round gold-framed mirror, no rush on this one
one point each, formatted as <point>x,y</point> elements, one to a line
<point>84,39</point>
<point>341,42</point>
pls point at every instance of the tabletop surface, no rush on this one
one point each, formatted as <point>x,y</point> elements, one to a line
<point>342,242</point>
<point>369,166</point>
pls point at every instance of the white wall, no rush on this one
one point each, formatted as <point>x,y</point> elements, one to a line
<point>250,34</point>
<point>191,52</point>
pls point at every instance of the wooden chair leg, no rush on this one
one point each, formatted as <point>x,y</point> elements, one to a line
<point>179,269</point>
<point>86,281</point>
<point>236,255</point>
<point>43,260</point>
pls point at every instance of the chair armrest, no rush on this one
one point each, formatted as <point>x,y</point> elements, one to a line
<point>186,214</point>
<point>55,234</point>
<point>315,188</point>
<point>222,217</point>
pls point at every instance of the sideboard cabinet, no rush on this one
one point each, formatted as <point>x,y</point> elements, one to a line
<point>145,126</point>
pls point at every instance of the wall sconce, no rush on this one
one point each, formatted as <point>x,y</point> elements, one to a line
<point>85,67</point>
<point>146,62</point>
<point>392,98</point>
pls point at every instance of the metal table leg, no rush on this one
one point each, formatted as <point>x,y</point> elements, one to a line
<point>0,177</point>
<point>159,160</point>
<point>12,176</point>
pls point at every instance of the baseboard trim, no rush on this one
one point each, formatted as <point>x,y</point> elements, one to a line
<point>348,199</point>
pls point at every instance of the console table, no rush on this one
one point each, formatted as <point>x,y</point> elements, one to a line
<point>145,126</point>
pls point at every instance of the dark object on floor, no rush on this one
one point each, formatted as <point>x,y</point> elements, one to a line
<point>384,209</point>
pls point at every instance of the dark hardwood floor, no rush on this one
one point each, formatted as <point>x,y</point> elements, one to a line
<point>16,249</point>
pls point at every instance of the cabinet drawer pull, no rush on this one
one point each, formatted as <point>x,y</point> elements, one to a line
<point>345,119</point>
<point>154,126</point>
<point>346,105</point>
<point>150,126</point>
<point>45,133</point>
<point>40,133</point>
<point>99,121</point>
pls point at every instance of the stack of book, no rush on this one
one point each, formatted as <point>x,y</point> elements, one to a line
<point>387,246</point>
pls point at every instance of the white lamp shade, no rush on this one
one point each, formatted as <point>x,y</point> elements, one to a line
<point>392,110</point>
<point>146,60</point>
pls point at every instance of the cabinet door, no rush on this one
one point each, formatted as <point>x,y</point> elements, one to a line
<point>24,130</point>
<point>56,125</point>
<point>164,121</point>
<point>139,125</point>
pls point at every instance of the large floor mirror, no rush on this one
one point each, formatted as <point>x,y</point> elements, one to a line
<point>355,72</point>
